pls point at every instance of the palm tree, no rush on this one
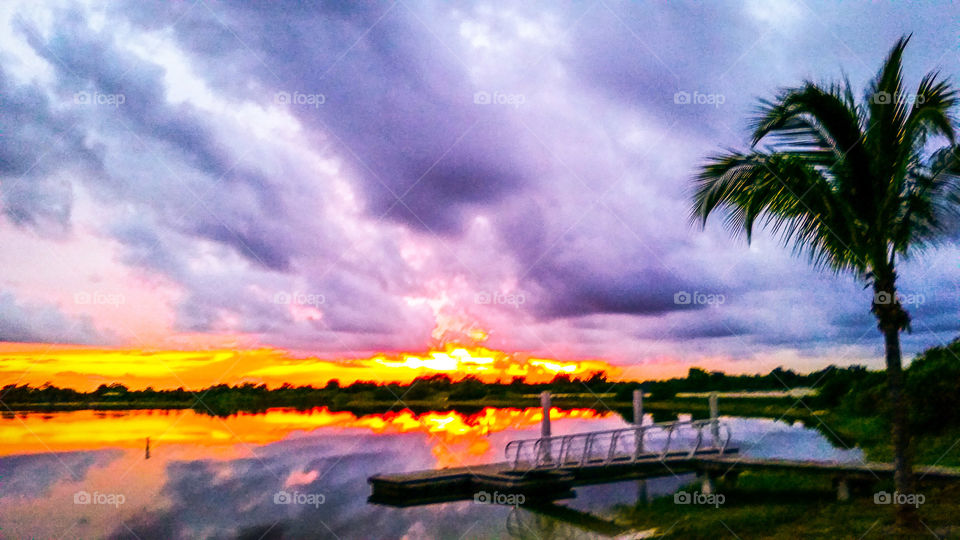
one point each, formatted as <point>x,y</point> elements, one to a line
<point>854,186</point>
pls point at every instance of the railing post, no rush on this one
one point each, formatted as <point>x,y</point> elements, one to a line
<point>545,425</point>
<point>611,450</point>
<point>638,421</point>
<point>583,451</point>
<point>666,444</point>
<point>714,419</point>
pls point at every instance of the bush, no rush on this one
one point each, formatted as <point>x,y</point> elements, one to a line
<point>625,391</point>
<point>416,391</point>
<point>933,387</point>
<point>468,388</point>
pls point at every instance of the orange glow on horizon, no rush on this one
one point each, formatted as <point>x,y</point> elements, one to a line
<point>84,368</point>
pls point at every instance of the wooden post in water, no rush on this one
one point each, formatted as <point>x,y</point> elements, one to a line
<point>843,489</point>
<point>707,486</point>
<point>545,424</point>
<point>642,494</point>
<point>638,418</point>
<point>714,419</point>
<point>638,407</point>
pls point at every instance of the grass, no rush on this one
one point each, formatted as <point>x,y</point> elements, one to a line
<point>791,505</point>
<point>872,435</point>
<point>796,505</point>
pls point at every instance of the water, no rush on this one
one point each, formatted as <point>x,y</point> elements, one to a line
<point>86,474</point>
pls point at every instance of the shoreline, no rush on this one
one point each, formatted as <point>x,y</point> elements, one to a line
<point>751,407</point>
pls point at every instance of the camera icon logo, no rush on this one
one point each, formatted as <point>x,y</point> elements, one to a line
<point>882,497</point>
<point>681,497</point>
<point>481,98</point>
<point>681,98</point>
<point>482,298</point>
<point>882,98</point>
<point>282,497</point>
<point>282,298</point>
<point>81,497</point>
<point>282,98</point>
<point>82,98</point>
<point>883,298</point>
<point>481,497</point>
<point>682,298</point>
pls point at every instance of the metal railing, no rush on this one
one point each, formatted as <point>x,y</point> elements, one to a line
<point>625,445</point>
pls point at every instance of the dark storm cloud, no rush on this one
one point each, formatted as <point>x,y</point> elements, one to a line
<point>90,63</point>
<point>576,290</point>
<point>397,101</point>
<point>37,143</point>
<point>711,329</point>
<point>40,323</point>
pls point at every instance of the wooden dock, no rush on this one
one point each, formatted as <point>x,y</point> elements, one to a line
<point>550,467</point>
<point>451,484</point>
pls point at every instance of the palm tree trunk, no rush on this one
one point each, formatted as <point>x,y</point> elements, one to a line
<point>903,478</point>
<point>892,319</point>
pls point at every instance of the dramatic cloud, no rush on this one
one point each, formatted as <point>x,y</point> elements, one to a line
<point>336,178</point>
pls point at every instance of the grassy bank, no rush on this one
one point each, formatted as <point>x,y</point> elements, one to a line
<point>788,506</point>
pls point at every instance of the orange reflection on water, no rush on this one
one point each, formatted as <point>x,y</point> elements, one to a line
<point>455,438</point>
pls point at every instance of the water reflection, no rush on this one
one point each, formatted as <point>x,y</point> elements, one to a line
<point>218,478</point>
<point>457,438</point>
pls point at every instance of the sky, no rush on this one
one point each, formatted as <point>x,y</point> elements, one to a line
<point>345,180</point>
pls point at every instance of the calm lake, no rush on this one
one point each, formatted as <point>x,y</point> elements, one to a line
<point>86,474</point>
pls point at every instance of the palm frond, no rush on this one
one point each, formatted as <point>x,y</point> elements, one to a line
<point>852,185</point>
<point>930,205</point>
<point>787,195</point>
<point>888,109</point>
<point>819,121</point>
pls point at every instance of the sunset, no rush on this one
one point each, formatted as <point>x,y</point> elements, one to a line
<point>424,269</point>
<point>85,368</point>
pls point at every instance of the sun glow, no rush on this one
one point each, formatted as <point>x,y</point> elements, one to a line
<point>85,368</point>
